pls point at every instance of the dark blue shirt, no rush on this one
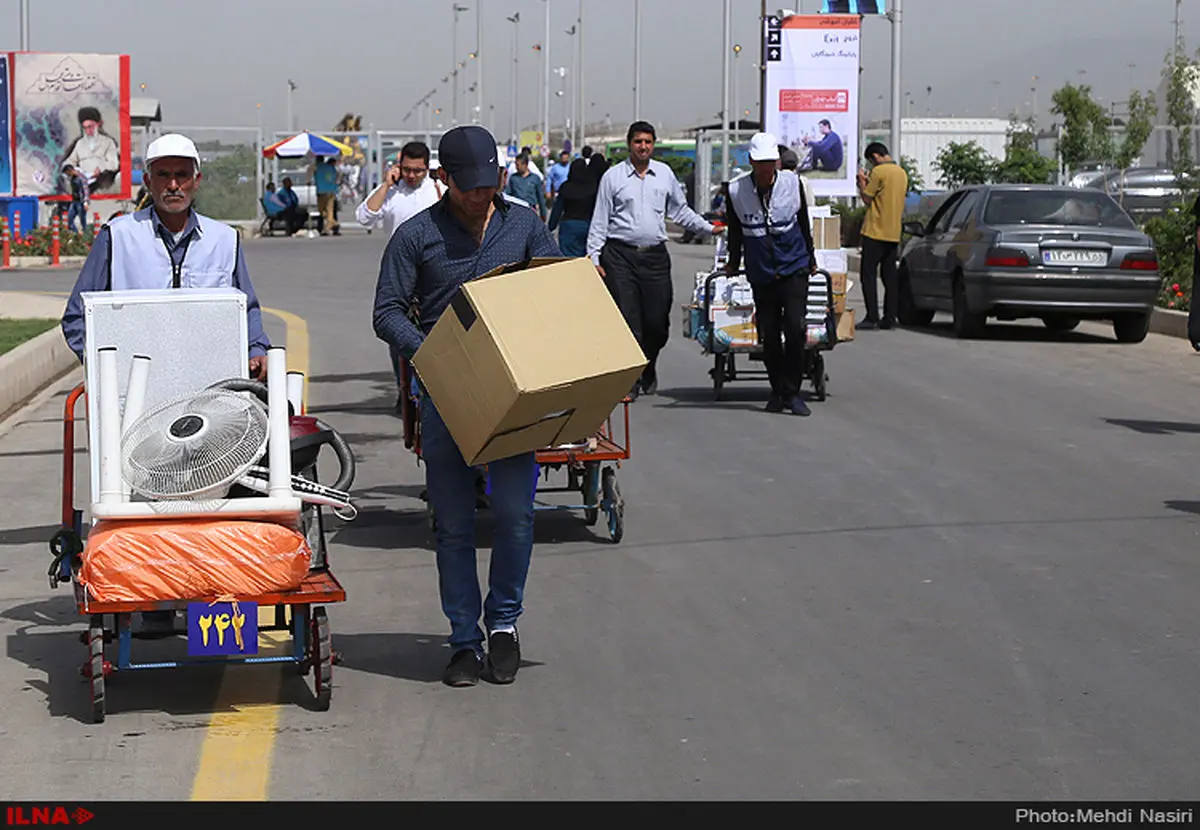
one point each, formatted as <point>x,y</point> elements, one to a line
<point>432,254</point>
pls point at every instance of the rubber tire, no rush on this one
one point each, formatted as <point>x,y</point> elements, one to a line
<point>1131,328</point>
<point>614,505</point>
<point>591,515</point>
<point>820,378</point>
<point>718,375</point>
<point>1061,323</point>
<point>967,324</point>
<point>322,659</point>
<point>96,658</point>
<point>910,315</point>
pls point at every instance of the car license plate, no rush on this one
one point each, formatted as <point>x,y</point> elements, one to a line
<point>1086,259</point>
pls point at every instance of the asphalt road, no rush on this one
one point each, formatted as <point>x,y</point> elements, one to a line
<point>971,574</point>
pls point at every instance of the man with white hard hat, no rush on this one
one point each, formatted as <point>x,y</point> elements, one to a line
<point>167,245</point>
<point>768,218</point>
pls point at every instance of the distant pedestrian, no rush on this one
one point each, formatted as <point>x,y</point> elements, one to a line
<point>78,188</point>
<point>884,192</point>
<point>573,208</point>
<point>627,242</point>
<point>556,175</point>
<point>527,187</point>
<point>326,178</point>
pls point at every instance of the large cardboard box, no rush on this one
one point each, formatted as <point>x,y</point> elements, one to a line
<point>839,292</point>
<point>527,358</point>
<point>845,325</point>
<point>734,325</point>
<point>827,233</point>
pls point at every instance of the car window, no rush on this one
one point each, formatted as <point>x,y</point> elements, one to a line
<point>1087,208</point>
<point>940,219</point>
<point>962,212</point>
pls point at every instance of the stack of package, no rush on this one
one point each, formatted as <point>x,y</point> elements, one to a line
<point>831,257</point>
<point>730,313</point>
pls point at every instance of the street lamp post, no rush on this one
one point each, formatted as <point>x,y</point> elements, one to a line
<point>737,112</point>
<point>291,89</point>
<point>479,58</point>
<point>637,60</point>
<point>457,65</point>
<point>579,88</point>
<point>546,90</point>
<point>516,113</point>
<point>727,48</point>
<point>24,25</point>
<point>573,32</point>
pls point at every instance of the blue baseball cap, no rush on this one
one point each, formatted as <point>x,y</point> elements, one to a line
<point>469,156</point>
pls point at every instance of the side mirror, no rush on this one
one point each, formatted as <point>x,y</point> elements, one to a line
<point>914,228</point>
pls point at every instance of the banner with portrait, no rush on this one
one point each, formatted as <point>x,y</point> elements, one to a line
<point>70,115</point>
<point>6,177</point>
<point>811,101</point>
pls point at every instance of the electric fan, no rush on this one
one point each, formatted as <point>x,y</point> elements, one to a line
<point>199,446</point>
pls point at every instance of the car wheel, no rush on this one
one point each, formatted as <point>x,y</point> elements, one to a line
<point>910,314</point>
<point>967,324</point>
<point>1131,328</point>
<point>1060,322</point>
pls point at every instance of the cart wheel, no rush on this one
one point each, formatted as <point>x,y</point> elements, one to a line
<point>820,379</point>
<point>732,367</point>
<point>322,659</point>
<point>313,521</point>
<point>96,666</point>
<point>300,613</point>
<point>718,375</point>
<point>614,505</point>
<point>591,492</point>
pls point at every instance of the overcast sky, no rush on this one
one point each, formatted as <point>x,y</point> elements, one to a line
<point>211,62</point>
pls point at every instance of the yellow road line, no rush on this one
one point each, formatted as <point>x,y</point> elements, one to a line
<point>235,758</point>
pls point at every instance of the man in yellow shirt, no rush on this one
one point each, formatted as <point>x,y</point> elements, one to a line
<point>884,192</point>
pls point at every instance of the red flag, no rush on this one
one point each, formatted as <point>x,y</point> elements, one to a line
<point>537,47</point>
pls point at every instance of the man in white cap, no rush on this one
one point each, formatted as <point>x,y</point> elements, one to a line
<point>768,217</point>
<point>167,245</point>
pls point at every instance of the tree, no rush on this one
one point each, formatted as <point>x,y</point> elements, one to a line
<point>1142,109</point>
<point>963,164</point>
<point>1180,73</point>
<point>1085,135</point>
<point>916,184</point>
<point>1023,164</point>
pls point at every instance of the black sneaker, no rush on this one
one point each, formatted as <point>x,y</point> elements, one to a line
<point>504,656</point>
<point>867,324</point>
<point>887,323</point>
<point>464,669</point>
<point>798,407</point>
<point>774,404</point>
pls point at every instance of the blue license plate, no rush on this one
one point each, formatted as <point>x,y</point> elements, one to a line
<point>222,629</point>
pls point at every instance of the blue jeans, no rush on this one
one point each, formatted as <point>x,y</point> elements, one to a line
<point>450,484</point>
<point>76,211</point>
<point>572,237</point>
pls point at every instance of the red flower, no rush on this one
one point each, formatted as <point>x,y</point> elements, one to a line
<point>1175,287</point>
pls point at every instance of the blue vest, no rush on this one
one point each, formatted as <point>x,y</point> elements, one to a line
<point>773,241</point>
<point>140,259</point>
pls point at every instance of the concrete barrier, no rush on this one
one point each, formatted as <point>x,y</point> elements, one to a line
<point>31,367</point>
<point>1170,322</point>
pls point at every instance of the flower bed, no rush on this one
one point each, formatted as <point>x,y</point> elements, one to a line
<point>38,242</point>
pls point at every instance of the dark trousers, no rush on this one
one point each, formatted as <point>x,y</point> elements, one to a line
<point>780,308</point>
<point>879,258</point>
<point>640,283</point>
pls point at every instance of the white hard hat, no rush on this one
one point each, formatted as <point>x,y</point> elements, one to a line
<point>172,145</point>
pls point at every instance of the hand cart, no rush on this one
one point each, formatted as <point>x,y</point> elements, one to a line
<point>725,368</point>
<point>591,466</point>
<point>299,612</point>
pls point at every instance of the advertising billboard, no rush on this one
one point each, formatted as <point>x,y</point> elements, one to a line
<point>811,101</point>
<point>70,110</point>
<point>6,178</point>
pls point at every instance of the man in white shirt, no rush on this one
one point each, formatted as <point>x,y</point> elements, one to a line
<point>406,190</point>
<point>533,168</point>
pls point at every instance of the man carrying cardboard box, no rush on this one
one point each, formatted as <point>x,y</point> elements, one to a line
<point>469,233</point>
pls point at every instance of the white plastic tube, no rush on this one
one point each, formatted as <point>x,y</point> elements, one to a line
<point>295,391</point>
<point>110,427</point>
<point>286,509</point>
<point>135,403</point>
<point>279,452</point>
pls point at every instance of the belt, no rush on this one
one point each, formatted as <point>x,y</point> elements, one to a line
<point>641,249</point>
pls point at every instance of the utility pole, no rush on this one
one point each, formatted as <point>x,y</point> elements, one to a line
<point>546,91</point>
<point>479,58</point>
<point>291,89</point>
<point>24,25</point>
<point>726,49</point>
<point>516,112</point>
<point>579,95</point>
<point>897,16</point>
<point>454,47</point>
<point>1175,47</point>
<point>571,123</point>
<point>637,60</point>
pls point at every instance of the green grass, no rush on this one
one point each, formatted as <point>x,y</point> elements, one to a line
<point>15,332</point>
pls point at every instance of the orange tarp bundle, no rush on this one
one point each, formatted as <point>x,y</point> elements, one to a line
<point>139,561</point>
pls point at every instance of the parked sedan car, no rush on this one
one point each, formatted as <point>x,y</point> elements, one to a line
<point>1012,251</point>
<point>1141,191</point>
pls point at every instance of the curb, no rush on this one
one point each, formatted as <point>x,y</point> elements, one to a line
<point>31,367</point>
<point>1169,322</point>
